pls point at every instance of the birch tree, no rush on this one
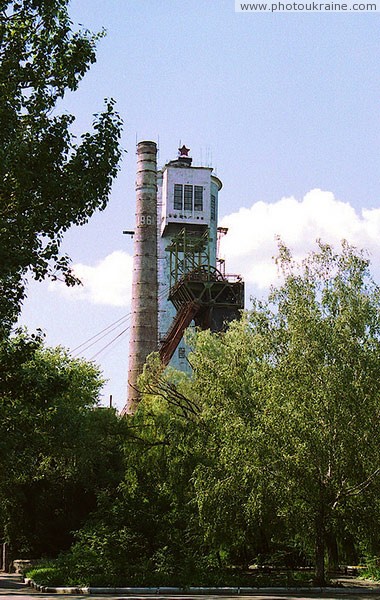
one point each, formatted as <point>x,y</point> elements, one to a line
<point>292,395</point>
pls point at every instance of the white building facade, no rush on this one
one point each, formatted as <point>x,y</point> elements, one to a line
<point>187,199</point>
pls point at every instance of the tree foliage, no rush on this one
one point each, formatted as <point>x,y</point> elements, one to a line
<point>48,179</point>
<point>288,402</point>
<point>146,531</point>
<point>268,454</point>
<point>57,448</point>
<point>294,390</point>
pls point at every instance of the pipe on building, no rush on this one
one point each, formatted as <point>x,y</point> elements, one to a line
<point>144,308</point>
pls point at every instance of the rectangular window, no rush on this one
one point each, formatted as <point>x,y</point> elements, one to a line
<point>213,208</point>
<point>178,192</point>
<point>198,197</point>
<point>188,204</point>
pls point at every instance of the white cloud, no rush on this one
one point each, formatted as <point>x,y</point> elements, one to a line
<point>250,244</point>
<point>108,282</point>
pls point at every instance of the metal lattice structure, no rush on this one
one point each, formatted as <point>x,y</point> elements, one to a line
<point>188,251</point>
<point>198,290</point>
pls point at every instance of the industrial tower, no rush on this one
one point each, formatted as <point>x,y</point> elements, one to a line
<point>177,276</point>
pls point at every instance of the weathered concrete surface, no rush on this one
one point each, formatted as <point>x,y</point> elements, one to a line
<point>144,306</point>
<point>11,581</point>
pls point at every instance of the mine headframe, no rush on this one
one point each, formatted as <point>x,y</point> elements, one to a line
<point>198,290</point>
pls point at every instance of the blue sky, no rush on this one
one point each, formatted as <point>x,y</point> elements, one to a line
<point>284,106</point>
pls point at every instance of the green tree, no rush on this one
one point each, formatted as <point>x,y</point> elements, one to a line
<point>324,396</point>
<point>146,532</point>
<point>58,449</point>
<point>271,447</point>
<point>234,491</point>
<point>48,180</point>
<point>290,397</point>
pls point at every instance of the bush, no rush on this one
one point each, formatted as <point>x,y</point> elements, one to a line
<point>194,572</point>
<point>372,570</point>
<point>49,574</point>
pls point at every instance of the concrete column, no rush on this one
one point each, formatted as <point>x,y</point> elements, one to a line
<point>144,323</point>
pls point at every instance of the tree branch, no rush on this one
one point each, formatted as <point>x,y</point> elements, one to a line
<point>355,490</point>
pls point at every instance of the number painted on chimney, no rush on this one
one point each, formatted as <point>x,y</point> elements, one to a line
<point>145,220</point>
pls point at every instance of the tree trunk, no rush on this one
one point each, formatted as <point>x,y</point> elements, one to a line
<point>320,537</point>
<point>332,552</point>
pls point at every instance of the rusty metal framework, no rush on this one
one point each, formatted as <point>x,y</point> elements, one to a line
<point>198,290</point>
<point>173,337</point>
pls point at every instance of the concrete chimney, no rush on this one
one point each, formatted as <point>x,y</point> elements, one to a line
<point>144,323</point>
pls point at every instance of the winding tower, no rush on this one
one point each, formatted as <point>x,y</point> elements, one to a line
<point>177,277</point>
<point>192,284</point>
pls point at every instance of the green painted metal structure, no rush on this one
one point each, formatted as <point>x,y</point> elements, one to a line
<point>198,290</point>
